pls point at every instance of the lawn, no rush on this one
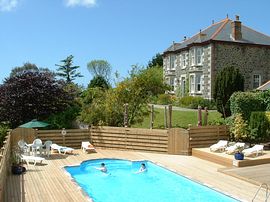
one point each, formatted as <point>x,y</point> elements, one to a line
<point>179,119</point>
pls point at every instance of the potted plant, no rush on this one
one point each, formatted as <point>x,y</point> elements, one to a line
<point>16,167</point>
<point>238,155</point>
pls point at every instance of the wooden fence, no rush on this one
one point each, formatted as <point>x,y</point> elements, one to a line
<point>171,141</point>
<point>202,137</point>
<point>73,137</point>
<point>130,138</point>
<point>5,153</point>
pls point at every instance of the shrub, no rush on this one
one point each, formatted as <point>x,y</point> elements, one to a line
<point>259,126</point>
<point>246,102</point>
<point>239,128</point>
<point>265,95</point>
<point>165,99</point>
<point>193,102</point>
<point>3,133</point>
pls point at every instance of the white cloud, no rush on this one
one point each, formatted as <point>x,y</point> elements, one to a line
<point>8,5</point>
<point>85,3</point>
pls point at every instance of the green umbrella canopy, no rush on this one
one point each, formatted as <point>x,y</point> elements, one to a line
<point>34,124</point>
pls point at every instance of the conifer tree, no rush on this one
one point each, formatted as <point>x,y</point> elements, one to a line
<point>228,81</point>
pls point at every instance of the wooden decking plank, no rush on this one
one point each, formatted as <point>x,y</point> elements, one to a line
<point>49,182</point>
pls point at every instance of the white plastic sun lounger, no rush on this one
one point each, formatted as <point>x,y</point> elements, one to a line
<point>232,149</point>
<point>220,146</point>
<point>255,150</point>
<point>87,146</point>
<point>33,159</point>
<point>62,149</point>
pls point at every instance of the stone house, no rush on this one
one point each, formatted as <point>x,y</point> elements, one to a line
<point>191,65</point>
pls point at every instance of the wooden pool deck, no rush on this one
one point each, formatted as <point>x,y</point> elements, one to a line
<point>228,160</point>
<point>49,181</point>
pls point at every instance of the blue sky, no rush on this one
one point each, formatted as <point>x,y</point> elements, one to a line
<point>123,32</point>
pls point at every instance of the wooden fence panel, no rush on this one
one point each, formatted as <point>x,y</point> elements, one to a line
<point>130,138</point>
<point>178,141</point>
<point>73,137</point>
<point>26,134</point>
<point>201,137</point>
<point>5,166</point>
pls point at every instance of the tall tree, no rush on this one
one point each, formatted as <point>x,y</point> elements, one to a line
<point>67,71</point>
<point>100,68</point>
<point>26,67</point>
<point>30,95</point>
<point>228,81</point>
<point>106,107</point>
<point>157,60</point>
<point>100,82</point>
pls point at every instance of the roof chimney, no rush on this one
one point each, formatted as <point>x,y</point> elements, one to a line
<point>185,38</point>
<point>236,29</point>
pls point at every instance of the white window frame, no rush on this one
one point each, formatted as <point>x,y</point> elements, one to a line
<point>184,60</point>
<point>172,62</point>
<point>199,55</point>
<point>183,85</point>
<point>198,83</point>
<point>258,80</point>
<point>192,83</point>
<point>192,56</point>
<point>172,83</point>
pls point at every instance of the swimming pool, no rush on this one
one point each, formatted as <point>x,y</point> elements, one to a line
<point>122,184</point>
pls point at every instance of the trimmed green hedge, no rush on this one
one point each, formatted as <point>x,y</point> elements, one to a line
<point>246,102</point>
<point>193,102</point>
<point>259,126</point>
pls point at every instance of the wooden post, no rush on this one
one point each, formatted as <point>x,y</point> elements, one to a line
<point>199,116</point>
<point>205,116</point>
<point>165,117</point>
<point>170,115</point>
<point>152,117</point>
<point>126,115</point>
<point>64,132</point>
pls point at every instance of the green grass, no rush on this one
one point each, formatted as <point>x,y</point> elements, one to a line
<point>179,119</point>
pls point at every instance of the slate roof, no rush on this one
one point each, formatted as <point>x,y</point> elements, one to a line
<point>222,31</point>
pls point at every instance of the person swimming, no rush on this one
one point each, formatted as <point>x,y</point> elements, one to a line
<point>142,168</point>
<point>102,168</point>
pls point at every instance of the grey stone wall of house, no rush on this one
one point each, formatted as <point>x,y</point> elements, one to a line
<point>206,82</point>
<point>249,59</point>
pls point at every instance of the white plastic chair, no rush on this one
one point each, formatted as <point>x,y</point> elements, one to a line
<point>232,149</point>
<point>256,149</point>
<point>87,146</point>
<point>220,146</point>
<point>23,146</point>
<point>37,146</point>
<point>47,148</point>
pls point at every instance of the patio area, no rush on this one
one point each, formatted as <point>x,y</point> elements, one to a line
<point>49,181</point>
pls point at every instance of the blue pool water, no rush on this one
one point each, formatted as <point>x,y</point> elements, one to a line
<point>121,184</point>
